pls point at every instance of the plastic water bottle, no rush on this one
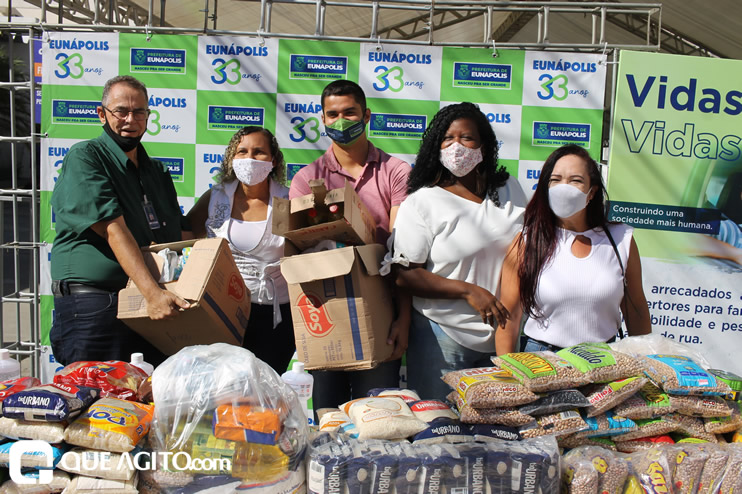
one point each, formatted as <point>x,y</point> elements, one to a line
<point>302,382</point>
<point>10,368</point>
<point>137,359</point>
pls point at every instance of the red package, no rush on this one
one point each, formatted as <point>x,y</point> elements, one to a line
<point>12,386</point>
<point>113,378</point>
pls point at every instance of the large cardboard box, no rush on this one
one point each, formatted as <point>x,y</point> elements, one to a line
<point>210,281</point>
<point>341,307</point>
<point>290,220</point>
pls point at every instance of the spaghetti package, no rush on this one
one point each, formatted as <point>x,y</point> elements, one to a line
<point>110,425</point>
<point>49,403</point>
<point>113,378</point>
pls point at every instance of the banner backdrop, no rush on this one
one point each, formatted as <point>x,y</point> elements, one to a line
<point>675,174</point>
<point>203,89</point>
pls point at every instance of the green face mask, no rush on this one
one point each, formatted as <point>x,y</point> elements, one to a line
<point>344,131</point>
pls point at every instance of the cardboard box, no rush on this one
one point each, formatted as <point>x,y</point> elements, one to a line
<point>341,307</point>
<point>210,281</point>
<point>290,220</point>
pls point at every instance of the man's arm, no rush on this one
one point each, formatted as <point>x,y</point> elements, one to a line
<point>161,303</point>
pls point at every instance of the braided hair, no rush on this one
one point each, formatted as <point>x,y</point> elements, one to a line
<point>226,173</point>
<point>428,170</point>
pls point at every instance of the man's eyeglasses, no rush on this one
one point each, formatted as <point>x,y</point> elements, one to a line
<point>121,114</point>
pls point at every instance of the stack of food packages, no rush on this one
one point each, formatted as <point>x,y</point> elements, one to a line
<point>655,421</point>
<point>82,424</point>
<point>224,421</point>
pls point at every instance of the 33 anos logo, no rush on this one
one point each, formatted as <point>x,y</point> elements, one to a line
<point>69,66</point>
<point>305,129</point>
<point>553,87</point>
<point>226,71</point>
<point>389,78</point>
<point>153,124</point>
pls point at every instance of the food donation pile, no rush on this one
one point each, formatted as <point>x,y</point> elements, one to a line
<point>624,421</point>
<point>211,418</point>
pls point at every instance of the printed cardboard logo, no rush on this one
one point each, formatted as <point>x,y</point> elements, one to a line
<point>556,134</point>
<point>236,288</point>
<point>313,313</point>
<point>75,112</point>
<point>158,60</point>
<point>397,126</point>
<point>318,67</point>
<point>482,75</point>
<point>176,167</point>
<point>233,118</point>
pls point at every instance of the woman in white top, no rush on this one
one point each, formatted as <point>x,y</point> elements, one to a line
<point>239,209</point>
<point>450,238</point>
<point>571,271</point>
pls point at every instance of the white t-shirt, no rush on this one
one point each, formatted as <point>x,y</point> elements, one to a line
<point>580,297</point>
<point>458,239</point>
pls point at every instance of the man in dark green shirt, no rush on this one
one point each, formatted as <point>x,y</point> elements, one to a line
<point>109,200</point>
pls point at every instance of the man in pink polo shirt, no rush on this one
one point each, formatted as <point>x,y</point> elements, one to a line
<point>381,182</point>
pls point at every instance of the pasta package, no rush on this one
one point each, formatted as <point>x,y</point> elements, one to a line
<point>113,378</point>
<point>13,386</point>
<point>112,425</point>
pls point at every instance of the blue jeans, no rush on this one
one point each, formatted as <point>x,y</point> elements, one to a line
<point>333,388</point>
<point>532,345</point>
<point>432,353</point>
<point>85,327</point>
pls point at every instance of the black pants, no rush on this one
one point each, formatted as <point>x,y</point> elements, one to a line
<point>274,346</point>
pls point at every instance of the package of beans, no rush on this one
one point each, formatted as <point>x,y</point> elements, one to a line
<point>648,402</point>
<point>688,467</point>
<point>607,424</point>
<point>554,402</point>
<point>649,427</point>
<point>574,441</point>
<point>677,374</point>
<point>640,444</point>
<point>731,480</point>
<point>555,424</point>
<point>701,406</point>
<point>488,387</point>
<point>605,396</point>
<point>713,469</point>
<point>542,371</point>
<point>650,470</point>
<point>599,363</point>
<point>608,475</point>
<point>502,416</point>
<point>691,427</point>
<point>722,425</point>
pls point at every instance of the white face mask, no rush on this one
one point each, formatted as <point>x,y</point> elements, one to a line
<point>566,200</point>
<point>459,159</point>
<point>250,171</point>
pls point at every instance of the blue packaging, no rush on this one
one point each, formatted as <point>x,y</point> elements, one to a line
<point>409,470</point>
<point>49,403</point>
<point>328,469</point>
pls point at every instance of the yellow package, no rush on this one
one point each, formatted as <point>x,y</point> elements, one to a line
<point>111,425</point>
<point>246,423</point>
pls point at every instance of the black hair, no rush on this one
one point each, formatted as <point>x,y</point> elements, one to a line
<point>429,171</point>
<point>341,87</point>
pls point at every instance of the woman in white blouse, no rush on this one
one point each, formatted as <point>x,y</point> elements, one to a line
<point>450,239</point>
<point>571,271</point>
<point>239,208</point>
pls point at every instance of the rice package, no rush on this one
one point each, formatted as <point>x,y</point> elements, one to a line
<point>33,459</point>
<point>443,423</point>
<point>49,403</point>
<point>605,396</point>
<point>542,371</point>
<point>383,418</point>
<point>113,378</point>
<point>600,363</point>
<point>337,421</point>
<point>59,481</point>
<point>51,432</point>
<point>110,424</point>
<point>13,386</point>
<point>488,387</point>
<point>677,374</point>
<point>408,395</point>
<point>90,485</point>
